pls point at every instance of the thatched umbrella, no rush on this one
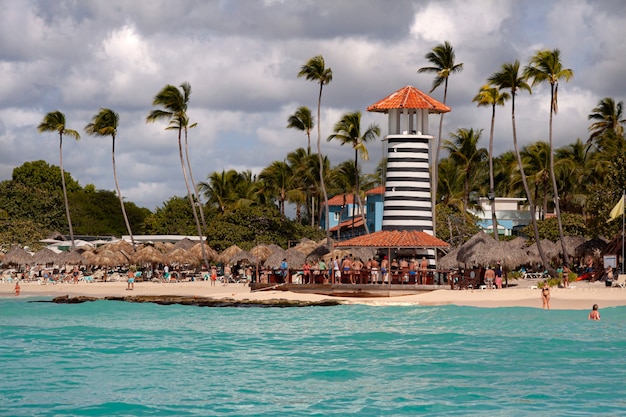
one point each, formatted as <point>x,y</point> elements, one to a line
<point>185,243</point>
<point>295,258</point>
<point>306,246</point>
<point>211,254</point>
<point>71,258</point>
<point>1,257</point>
<point>17,256</point>
<point>261,252</point>
<point>476,250</point>
<point>448,261</point>
<point>571,243</point>
<point>228,253</point>
<point>592,247</point>
<point>340,253</point>
<point>549,248</point>
<point>119,245</point>
<point>164,247</point>
<point>275,259</point>
<point>182,256</point>
<point>318,252</point>
<point>148,254</point>
<point>243,256</point>
<point>45,256</point>
<point>107,257</point>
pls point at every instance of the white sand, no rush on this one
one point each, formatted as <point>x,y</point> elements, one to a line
<point>582,297</point>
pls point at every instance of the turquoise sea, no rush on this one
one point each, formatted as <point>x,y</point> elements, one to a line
<point>110,358</point>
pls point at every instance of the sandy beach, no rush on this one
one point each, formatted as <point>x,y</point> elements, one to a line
<point>581,296</point>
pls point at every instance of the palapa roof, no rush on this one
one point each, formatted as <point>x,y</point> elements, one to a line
<point>408,97</point>
<point>395,239</point>
<point>17,256</point>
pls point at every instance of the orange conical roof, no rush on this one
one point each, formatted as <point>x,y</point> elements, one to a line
<point>409,97</point>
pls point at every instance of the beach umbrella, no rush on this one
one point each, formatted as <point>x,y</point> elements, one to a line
<point>228,253</point>
<point>295,258</point>
<point>549,248</point>
<point>164,247</point>
<point>275,259</point>
<point>448,261</point>
<point>341,253</point>
<point>70,258</point>
<point>306,246</point>
<point>119,245</point>
<point>182,256</point>
<point>261,252</point>
<point>243,256</point>
<point>476,251</point>
<point>1,257</point>
<point>17,256</point>
<point>592,247</point>
<point>44,256</point>
<point>211,254</point>
<point>318,252</point>
<point>185,243</point>
<point>148,254</point>
<point>107,257</point>
<point>571,243</point>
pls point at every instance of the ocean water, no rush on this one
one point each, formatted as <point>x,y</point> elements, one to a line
<point>110,358</point>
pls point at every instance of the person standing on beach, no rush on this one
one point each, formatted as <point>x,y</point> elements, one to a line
<point>545,295</point>
<point>17,288</point>
<point>594,314</point>
<point>374,270</point>
<point>384,268</point>
<point>423,270</point>
<point>489,277</point>
<point>499,276</point>
<point>131,280</point>
<point>213,275</point>
<point>284,270</point>
<point>336,271</point>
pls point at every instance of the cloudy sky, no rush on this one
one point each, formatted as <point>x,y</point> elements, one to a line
<point>242,59</point>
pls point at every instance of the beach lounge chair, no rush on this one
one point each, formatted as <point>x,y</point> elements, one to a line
<point>620,281</point>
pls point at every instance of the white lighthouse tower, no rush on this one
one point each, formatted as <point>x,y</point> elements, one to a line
<point>408,201</point>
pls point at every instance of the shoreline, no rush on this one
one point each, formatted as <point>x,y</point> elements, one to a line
<point>523,294</point>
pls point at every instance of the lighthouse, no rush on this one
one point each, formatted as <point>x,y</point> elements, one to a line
<point>408,200</point>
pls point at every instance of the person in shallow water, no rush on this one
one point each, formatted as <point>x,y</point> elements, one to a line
<point>545,295</point>
<point>594,314</point>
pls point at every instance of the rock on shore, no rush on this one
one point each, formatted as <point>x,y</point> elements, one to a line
<point>198,301</point>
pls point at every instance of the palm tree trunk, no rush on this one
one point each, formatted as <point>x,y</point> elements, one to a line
<point>492,194</point>
<point>67,205</point>
<point>436,162</point>
<point>555,188</point>
<point>321,161</point>
<point>119,194</point>
<point>193,204</point>
<point>195,185</point>
<point>533,220</point>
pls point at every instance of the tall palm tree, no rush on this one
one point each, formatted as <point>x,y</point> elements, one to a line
<point>607,119</point>
<point>105,123</point>
<point>303,167</point>
<point>443,65</point>
<point>536,160</point>
<point>55,122</point>
<point>546,66</point>
<point>315,70</point>
<point>186,127</point>
<point>491,96</point>
<point>219,190</point>
<point>573,173</point>
<point>464,151</point>
<point>173,105</point>
<point>302,120</point>
<point>348,131</point>
<point>509,78</point>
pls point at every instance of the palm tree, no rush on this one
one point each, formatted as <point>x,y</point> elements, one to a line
<point>608,121</point>
<point>315,70</point>
<point>491,96</point>
<point>509,78</point>
<point>302,120</point>
<point>174,108</point>
<point>303,167</point>
<point>219,190</point>
<point>348,131</point>
<point>466,154</point>
<point>277,178</point>
<point>55,122</point>
<point>546,66</point>
<point>442,60</point>
<point>536,160</point>
<point>186,127</point>
<point>105,123</point>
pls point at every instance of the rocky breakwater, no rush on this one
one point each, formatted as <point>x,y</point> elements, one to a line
<point>198,301</point>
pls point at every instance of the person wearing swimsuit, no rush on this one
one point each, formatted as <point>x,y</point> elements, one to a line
<point>594,314</point>
<point>545,295</point>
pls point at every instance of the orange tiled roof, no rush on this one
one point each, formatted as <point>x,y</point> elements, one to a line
<point>338,200</point>
<point>409,97</point>
<point>358,221</point>
<point>378,190</point>
<point>395,239</point>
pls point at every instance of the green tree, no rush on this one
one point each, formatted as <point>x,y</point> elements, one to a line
<point>277,178</point>
<point>315,70</point>
<point>348,131</point>
<point>509,78</point>
<point>302,120</point>
<point>536,160</point>
<point>174,103</point>
<point>105,123</point>
<point>55,122</point>
<point>304,181</point>
<point>442,63</point>
<point>491,96</point>
<point>545,66</point>
<point>464,151</point>
<point>608,121</point>
<point>174,217</point>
